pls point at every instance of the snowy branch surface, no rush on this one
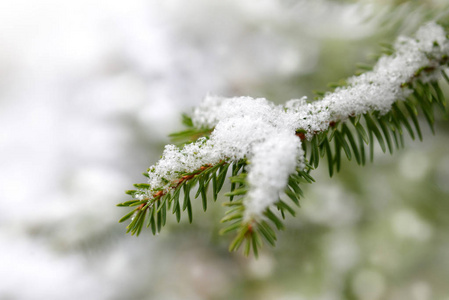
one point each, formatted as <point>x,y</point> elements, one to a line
<point>265,134</point>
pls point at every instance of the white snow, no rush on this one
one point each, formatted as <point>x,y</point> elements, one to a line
<point>378,89</point>
<point>264,133</point>
<point>244,128</point>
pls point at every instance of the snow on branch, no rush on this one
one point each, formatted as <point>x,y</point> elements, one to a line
<point>264,133</point>
<point>269,137</point>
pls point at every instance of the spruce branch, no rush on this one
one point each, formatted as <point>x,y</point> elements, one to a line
<point>268,152</point>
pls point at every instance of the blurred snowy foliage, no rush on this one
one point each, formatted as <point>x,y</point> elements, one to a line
<point>90,90</point>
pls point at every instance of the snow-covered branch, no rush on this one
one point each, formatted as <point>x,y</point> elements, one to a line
<point>266,140</point>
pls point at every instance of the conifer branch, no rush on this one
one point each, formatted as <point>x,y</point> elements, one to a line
<point>268,152</point>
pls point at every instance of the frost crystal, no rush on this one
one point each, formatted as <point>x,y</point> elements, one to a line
<point>264,133</point>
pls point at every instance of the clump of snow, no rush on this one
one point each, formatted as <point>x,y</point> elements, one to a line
<point>254,129</point>
<point>272,162</point>
<point>378,89</point>
<point>264,133</point>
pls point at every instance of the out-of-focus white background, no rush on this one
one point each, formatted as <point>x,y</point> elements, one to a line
<point>89,91</point>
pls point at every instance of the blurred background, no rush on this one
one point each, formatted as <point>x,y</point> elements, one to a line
<point>89,91</point>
